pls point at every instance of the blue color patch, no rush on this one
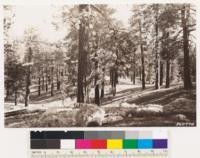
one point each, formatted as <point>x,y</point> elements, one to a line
<point>145,143</point>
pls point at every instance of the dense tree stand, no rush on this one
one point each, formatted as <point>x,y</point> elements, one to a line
<point>95,69</point>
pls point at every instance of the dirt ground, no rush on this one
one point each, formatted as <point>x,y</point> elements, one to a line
<point>132,107</point>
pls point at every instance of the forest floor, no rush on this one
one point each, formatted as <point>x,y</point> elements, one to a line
<point>130,107</point>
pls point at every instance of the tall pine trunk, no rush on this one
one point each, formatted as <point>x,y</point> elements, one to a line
<point>140,73</point>
<point>46,80</point>
<point>28,77</point>
<point>102,84</point>
<point>133,77</point>
<point>143,69</point>
<point>39,85</point>
<point>7,91</point>
<point>142,56</point>
<point>15,97</point>
<point>82,55</point>
<point>102,90</point>
<point>157,53</point>
<point>167,73</point>
<point>187,77</point>
<point>27,86</point>
<point>97,99</point>
<point>134,67</point>
<point>52,84</point>
<point>42,80</point>
<point>161,74</point>
<point>113,80</point>
<point>172,71</point>
<point>58,79</point>
<point>149,73</point>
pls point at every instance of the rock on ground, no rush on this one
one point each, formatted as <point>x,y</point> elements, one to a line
<point>89,115</point>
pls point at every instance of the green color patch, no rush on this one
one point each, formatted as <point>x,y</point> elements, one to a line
<point>129,144</point>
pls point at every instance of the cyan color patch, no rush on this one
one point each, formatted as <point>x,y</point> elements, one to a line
<point>145,143</point>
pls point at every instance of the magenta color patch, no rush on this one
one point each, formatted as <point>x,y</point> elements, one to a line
<point>83,144</point>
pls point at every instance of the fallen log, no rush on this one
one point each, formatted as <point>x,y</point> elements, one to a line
<point>15,112</point>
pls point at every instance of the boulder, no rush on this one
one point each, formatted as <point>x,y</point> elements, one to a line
<point>89,115</point>
<point>180,117</point>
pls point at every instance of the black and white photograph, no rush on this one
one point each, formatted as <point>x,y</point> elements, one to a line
<point>100,65</point>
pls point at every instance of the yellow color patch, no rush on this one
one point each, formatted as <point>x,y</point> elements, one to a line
<point>114,144</point>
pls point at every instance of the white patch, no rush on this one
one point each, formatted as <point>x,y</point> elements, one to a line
<point>97,116</point>
<point>181,117</point>
<point>151,107</point>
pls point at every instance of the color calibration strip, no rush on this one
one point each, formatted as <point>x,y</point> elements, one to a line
<point>102,143</point>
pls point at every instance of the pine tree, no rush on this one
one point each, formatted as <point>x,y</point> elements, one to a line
<point>184,18</point>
